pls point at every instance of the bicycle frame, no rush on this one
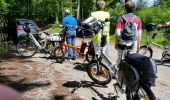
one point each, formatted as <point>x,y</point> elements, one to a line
<point>77,48</point>
<point>148,45</point>
<point>35,41</point>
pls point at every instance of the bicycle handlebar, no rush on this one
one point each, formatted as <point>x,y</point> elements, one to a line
<point>106,20</point>
<point>152,26</point>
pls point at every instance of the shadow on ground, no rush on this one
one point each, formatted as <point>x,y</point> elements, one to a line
<point>87,84</point>
<point>81,66</point>
<point>60,97</point>
<point>165,62</point>
<point>21,85</point>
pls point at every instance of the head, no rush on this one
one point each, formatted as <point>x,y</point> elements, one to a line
<point>129,6</point>
<point>100,4</point>
<point>67,11</point>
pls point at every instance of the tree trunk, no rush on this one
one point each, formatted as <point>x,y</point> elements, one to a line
<point>71,7</point>
<point>62,10</point>
<point>78,10</point>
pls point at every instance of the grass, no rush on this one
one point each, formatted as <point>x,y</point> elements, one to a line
<point>112,39</point>
<point>159,39</point>
<point>53,28</point>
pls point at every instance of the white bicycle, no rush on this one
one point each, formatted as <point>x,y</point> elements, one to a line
<point>28,46</point>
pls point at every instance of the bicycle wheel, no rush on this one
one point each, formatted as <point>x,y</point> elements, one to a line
<point>102,77</point>
<point>59,54</point>
<point>26,48</point>
<point>144,93</point>
<point>144,50</point>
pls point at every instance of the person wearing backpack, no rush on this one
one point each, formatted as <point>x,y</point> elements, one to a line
<point>129,27</point>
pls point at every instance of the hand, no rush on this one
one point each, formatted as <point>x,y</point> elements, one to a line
<point>160,25</point>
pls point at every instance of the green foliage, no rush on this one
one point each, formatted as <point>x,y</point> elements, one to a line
<point>46,12</point>
<point>156,14</point>
<point>3,9</point>
<point>159,39</point>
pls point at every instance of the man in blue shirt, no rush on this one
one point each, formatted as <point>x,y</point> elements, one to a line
<point>71,23</point>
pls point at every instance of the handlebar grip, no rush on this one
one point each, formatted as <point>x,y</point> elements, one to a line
<point>108,19</point>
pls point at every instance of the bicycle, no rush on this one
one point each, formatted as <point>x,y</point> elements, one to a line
<point>28,46</point>
<point>129,79</point>
<point>147,49</point>
<point>61,50</point>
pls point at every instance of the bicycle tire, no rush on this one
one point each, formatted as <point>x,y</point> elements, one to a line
<point>144,50</point>
<point>26,48</point>
<point>59,54</point>
<point>105,71</point>
<point>144,93</point>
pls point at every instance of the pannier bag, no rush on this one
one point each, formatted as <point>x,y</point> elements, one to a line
<point>130,76</point>
<point>91,25</point>
<point>145,65</point>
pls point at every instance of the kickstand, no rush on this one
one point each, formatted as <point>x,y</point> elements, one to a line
<point>114,85</point>
<point>84,61</point>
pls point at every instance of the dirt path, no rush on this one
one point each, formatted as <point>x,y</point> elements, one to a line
<point>39,78</point>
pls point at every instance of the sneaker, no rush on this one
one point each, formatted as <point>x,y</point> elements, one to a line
<point>74,58</point>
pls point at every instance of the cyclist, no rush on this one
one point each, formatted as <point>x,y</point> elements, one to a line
<point>129,7</point>
<point>71,23</point>
<point>96,39</point>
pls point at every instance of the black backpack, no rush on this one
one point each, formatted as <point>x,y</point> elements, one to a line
<point>129,30</point>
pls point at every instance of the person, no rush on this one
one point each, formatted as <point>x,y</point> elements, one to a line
<point>129,7</point>
<point>100,14</point>
<point>165,24</point>
<point>71,23</point>
<point>8,93</point>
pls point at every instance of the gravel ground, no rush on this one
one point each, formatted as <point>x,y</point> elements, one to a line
<point>39,78</point>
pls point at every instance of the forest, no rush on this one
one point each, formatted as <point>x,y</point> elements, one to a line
<point>50,12</point>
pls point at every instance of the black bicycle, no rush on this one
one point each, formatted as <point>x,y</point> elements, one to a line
<point>132,76</point>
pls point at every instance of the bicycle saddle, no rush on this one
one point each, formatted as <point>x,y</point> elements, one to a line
<point>125,44</point>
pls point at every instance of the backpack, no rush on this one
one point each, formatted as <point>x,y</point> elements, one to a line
<point>129,30</point>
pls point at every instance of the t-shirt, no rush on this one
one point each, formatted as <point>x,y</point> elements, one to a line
<point>70,22</point>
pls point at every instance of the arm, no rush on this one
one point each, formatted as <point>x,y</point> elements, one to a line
<point>165,24</point>
<point>139,28</point>
<point>118,29</point>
